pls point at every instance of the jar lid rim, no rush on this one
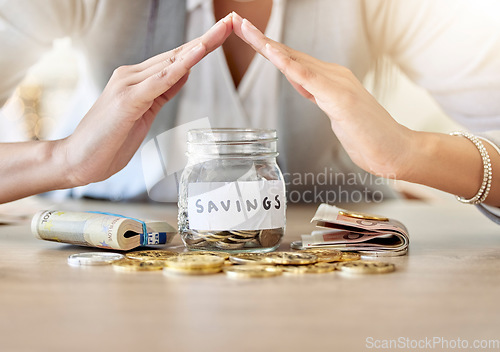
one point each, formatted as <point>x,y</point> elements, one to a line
<point>231,129</point>
<point>231,136</point>
<point>234,142</point>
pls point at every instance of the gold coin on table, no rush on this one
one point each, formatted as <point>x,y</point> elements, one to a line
<point>252,271</point>
<point>201,271</point>
<point>290,258</point>
<point>364,216</point>
<point>349,256</point>
<point>325,255</point>
<point>138,265</point>
<point>318,268</point>
<point>375,254</point>
<point>202,261</point>
<point>294,269</point>
<point>248,258</point>
<point>323,267</point>
<point>151,255</point>
<point>221,254</point>
<point>366,267</point>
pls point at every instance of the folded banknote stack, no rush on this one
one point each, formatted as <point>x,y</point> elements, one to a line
<point>371,235</point>
<point>102,230</point>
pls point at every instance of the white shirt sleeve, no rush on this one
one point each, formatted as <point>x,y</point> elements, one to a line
<point>27,30</point>
<point>449,47</point>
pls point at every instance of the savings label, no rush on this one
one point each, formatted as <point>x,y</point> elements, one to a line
<point>240,205</point>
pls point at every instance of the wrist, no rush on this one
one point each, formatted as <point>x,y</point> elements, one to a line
<point>402,165</point>
<point>58,153</point>
<point>32,167</point>
<point>420,147</point>
<point>451,164</point>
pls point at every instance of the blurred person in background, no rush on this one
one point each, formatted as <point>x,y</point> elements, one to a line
<point>138,86</point>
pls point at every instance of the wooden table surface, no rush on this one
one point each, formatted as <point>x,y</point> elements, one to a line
<point>447,287</point>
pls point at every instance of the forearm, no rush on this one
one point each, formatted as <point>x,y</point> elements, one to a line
<point>111,132</point>
<point>29,168</point>
<point>450,163</point>
<point>369,135</point>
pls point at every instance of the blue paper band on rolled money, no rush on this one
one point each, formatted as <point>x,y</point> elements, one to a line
<point>146,238</point>
<point>157,238</point>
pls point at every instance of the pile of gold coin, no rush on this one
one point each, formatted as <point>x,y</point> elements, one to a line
<point>234,240</point>
<point>250,265</point>
<point>202,264</point>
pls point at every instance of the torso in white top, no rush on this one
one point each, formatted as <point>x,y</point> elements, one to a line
<point>211,91</point>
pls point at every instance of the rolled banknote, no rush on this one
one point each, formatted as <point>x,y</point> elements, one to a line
<point>352,231</point>
<point>103,230</point>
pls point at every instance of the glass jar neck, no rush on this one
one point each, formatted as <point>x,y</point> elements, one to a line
<point>229,143</point>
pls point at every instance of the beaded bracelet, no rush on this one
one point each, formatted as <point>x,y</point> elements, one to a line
<point>487,170</point>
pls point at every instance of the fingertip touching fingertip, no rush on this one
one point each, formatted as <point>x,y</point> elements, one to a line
<point>235,15</point>
<point>228,18</point>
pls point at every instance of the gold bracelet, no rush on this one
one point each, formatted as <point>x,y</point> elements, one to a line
<point>487,170</point>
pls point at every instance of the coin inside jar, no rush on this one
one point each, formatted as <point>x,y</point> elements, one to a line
<point>229,245</point>
<point>270,238</point>
<point>238,239</point>
<point>245,233</point>
<point>220,235</point>
<point>234,240</point>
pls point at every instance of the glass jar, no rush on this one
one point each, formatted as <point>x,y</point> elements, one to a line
<point>232,192</point>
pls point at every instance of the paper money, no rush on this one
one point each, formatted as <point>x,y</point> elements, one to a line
<point>99,230</point>
<point>357,232</point>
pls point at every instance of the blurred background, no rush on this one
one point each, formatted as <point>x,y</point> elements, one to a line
<point>46,92</point>
<point>41,99</point>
